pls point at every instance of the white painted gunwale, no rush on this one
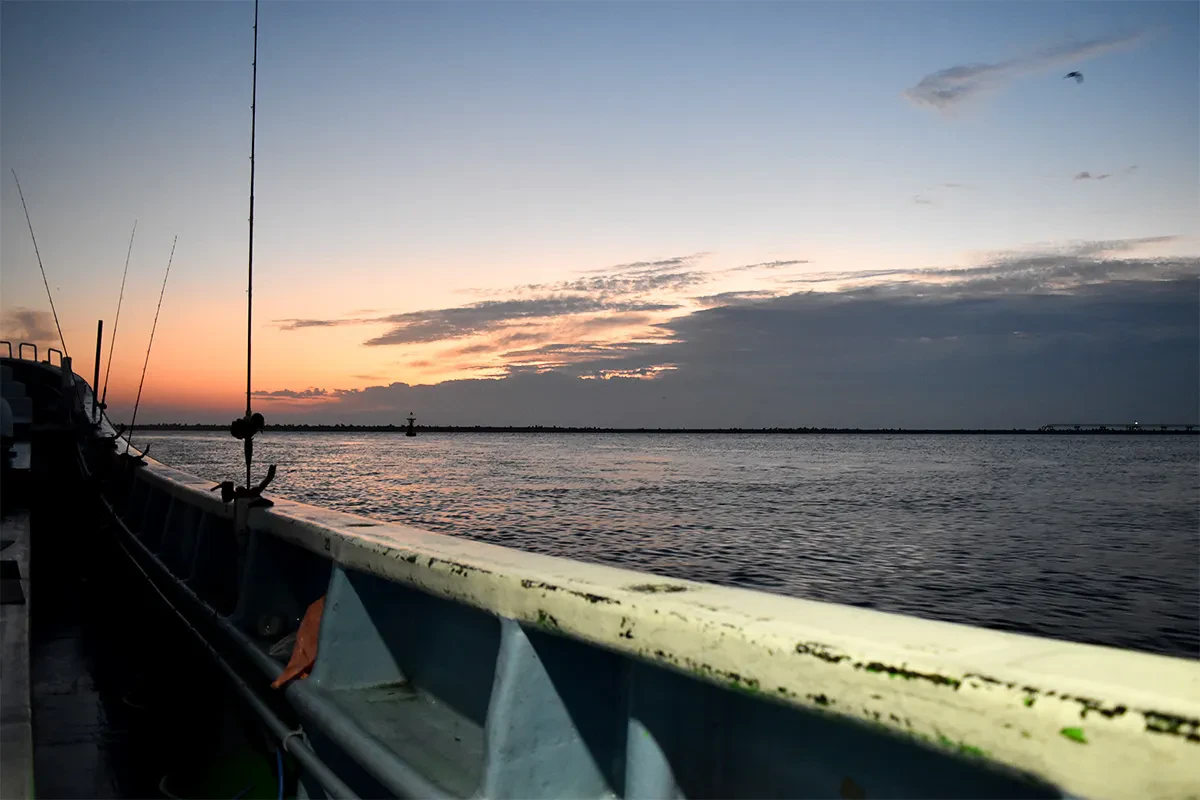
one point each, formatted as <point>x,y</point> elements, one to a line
<point>983,693</point>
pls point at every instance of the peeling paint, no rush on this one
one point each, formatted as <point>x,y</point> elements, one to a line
<point>707,672</point>
<point>656,588</point>
<point>1157,722</point>
<point>547,621</point>
<point>821,651</point>
<point>549,587</point>
<point>908,674</point>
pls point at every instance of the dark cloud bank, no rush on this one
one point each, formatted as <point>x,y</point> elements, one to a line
<point>1018,342</point>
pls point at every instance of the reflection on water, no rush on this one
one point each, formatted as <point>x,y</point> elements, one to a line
<point>1088,538</point>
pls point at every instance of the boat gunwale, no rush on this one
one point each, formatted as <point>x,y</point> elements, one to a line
<point>1022,702</point>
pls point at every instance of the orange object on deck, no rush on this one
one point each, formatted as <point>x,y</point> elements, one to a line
<point>304,652</point>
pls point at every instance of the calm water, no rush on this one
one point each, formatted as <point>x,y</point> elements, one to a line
<point>1088,538</point>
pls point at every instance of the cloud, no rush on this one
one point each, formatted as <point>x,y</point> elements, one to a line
<point>662,265</point>
<point>625,285</point>
<point>289,394</point>
<point>623,297</point>
<point>1087,176</point>
<point>1086,329</point>
<point>297,324</point>
<point>817,351</point>
<point>765,265</point>
<point>927,195</point>
<point>28,325</point>
<point>490,315</point>
<point>734,298</point>
<point>946,89</point>
<point>1037,269</point>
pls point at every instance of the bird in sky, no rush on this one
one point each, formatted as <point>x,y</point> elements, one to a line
<point>1078,76</point>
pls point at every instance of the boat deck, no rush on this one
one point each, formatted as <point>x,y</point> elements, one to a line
<point>16,734</point>
<point>83,740</point>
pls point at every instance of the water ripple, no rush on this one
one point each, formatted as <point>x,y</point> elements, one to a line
<point>1086,538</point>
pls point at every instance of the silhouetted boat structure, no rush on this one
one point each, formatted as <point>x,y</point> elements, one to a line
<point>359,658</point>
<point>452,668</point>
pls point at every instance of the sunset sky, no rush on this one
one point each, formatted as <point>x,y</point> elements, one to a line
<point>792,213</point>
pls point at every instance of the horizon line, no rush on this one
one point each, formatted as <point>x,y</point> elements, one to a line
<point>1060,428</point>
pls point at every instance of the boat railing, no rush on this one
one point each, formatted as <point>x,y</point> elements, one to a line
<point>449,667</point>
<point>7,344</point>
<point>21,350</point>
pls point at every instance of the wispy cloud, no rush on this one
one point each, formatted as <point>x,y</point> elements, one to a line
<point>949,88</point>
<point>292,394</point>
<point>490,315</point>
<point>624,298</point>
<point>297,324</point>
<point>735,298</point>
<point>930,194</point>
<point>28,325</point>
<point>1064,268</point>
<point>1087,175</point>
<point>765,265</point>
<point>662,265</point>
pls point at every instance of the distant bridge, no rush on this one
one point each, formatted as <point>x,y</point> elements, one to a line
<point>1120,426</point>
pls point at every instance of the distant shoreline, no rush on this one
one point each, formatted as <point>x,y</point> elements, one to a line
<point>400,429</point>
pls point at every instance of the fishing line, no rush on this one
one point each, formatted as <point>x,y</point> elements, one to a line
<point>113,340</point>
<point>129,436</point>
<point>43,269</point>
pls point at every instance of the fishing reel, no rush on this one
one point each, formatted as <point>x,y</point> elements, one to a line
<point>230,492</point>
<point>246,427</point>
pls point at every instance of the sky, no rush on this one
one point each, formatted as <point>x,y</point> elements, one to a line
<point>634,214</point>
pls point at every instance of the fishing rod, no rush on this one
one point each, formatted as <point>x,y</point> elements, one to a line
<point>252,423</point>
<point>146,363</point>
<point>246,427</point>
<point>112,342</point>
<point>250,254</point>
<point>43,269</point>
